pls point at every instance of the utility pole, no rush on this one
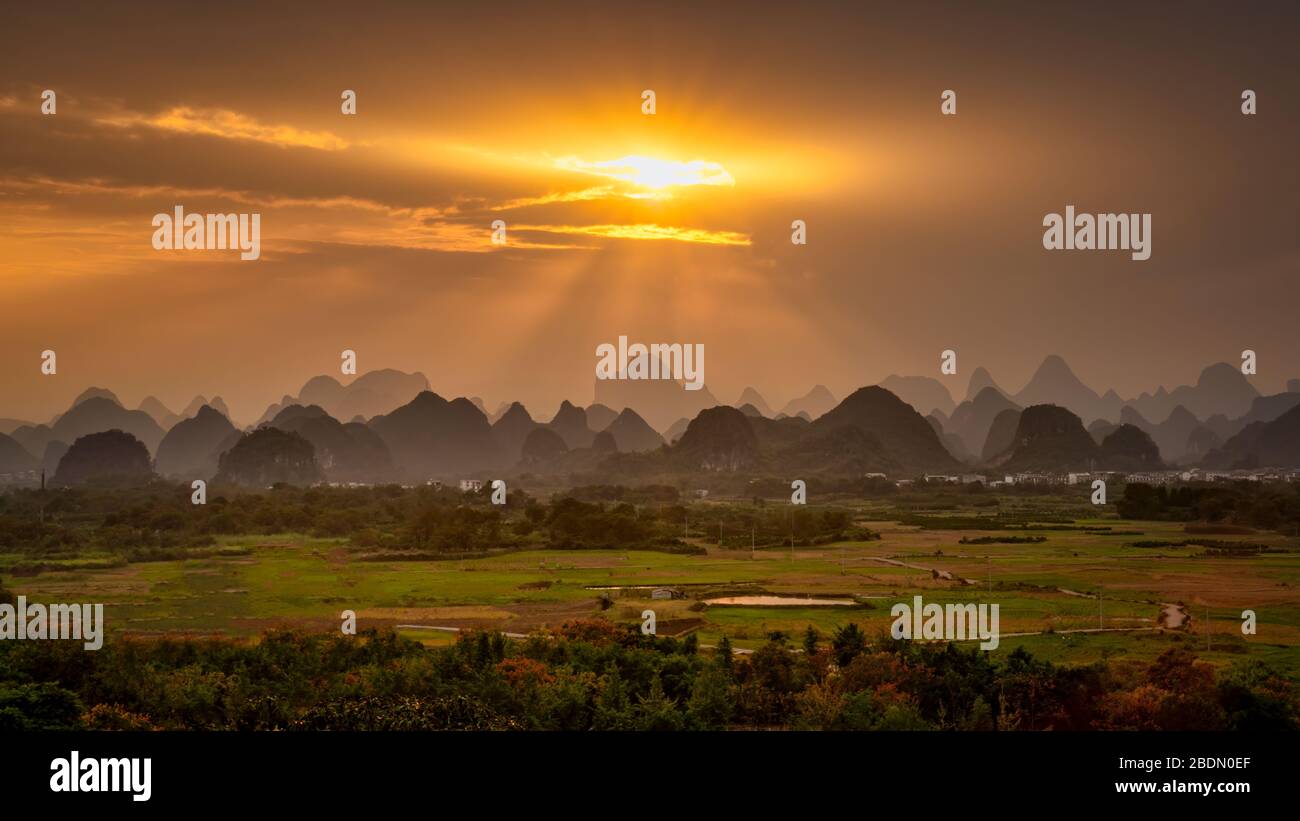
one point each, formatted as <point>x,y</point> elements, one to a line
<point>791,534</point>
<point>752,541</point>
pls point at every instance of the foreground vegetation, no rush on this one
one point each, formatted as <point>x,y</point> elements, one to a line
<point>591,675</point>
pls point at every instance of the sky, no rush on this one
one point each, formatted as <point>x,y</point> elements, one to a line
<point>924,231</point>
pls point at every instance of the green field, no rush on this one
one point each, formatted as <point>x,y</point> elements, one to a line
<point>294,580</point>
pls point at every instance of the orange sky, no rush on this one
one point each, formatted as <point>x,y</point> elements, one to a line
<point>924,231</point>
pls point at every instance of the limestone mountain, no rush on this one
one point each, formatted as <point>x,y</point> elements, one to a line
<point>14,458</point>
<point>1055,384</point>
<point>816,402</point>
<point>8,426</point>
<point>349,452</point>
<point>371,394</point>
<point>1261,444</point>
<point>951,441</point>
<point>1129,448</point>
<point>430,437</point>
<point>600,416</point>
<point>676,429</point>
<point>631,433</point>
<point>511,430</point>
<point>923,393</point>
<point>749,410</point>
<point>1001,434</point>
<point>112,455</point>
<point>980,379</point>
<point>216,403</point>
<point>96,414</point>
<point>658,401</point>
<point>749,396</point>
<point>158,412</point>
<point>717,439</point>
<point>54,451</point>
<point>571,423</point>
<point>266,457</point>
<point>1199,444</point>
<point>1170,435</point>
<point>1100,429</point>
<point>1050,438</point>
<point>903,434</point>
<point>192,448</point>
<point>542,446</point>
<point>972,419</point>
<point>1221,388</point>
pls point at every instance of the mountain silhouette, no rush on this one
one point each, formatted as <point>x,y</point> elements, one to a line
<point>542,446</point>
<point>571,423</point>
<point>816,402</point>
<point>511,431</point>
<point>972,419</point>
<point>1221,388</point>
<point>631,433</point>
<point>348,452</point>
<point>1055,384</point>
<point>54,451</point>
<point>94,413</point>
<point>371,394</point>
<point>1001,434</point>
<point>1050,438</point>
<point>658,401</point>
<point>266,457</point>
<point>676,429</point>
<point>600,416</point>
<point>951,441</point>
<point>431,437</point>
<point>1129,448</point>
<point>158,412</point>
<point>717,439</point>
<point>923,393</point>
<point>1261,444</point>
<point>980,379</point>
<point>903,434</point>
<point>1200,443</point>
<point>1170,435</point>
<point>1101,428</point>
<point>14,458</point>
<point>105,455</point>
<point>749,396</point>
<point>192,448</point>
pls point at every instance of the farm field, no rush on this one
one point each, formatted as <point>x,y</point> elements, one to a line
<point>1045,590</point>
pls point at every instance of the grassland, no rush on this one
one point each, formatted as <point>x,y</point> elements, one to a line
<point>1045,589</point>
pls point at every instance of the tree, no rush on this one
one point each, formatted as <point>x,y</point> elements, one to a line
<point>723,654</point>
<point>810,637</point>
<point>711,706</point>
<point>847,643</point>
<point>657,711</point>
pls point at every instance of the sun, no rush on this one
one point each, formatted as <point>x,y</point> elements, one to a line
<point>652,173</point>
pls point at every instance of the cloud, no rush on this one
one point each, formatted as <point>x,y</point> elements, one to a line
<point>229,125</point>
<point>650,172</point>
<point>647,231</point>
